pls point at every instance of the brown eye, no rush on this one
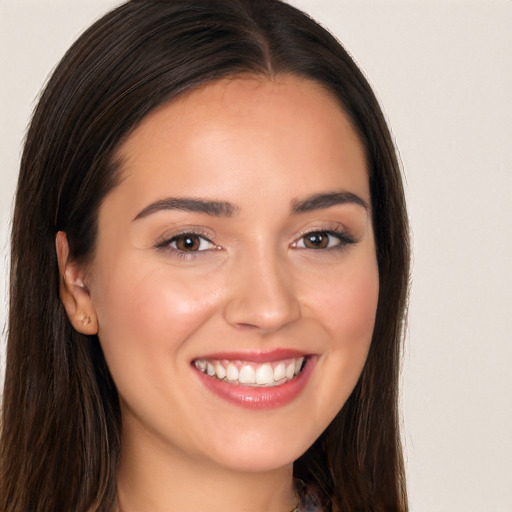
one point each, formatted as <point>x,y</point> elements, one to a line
<point>316,240</point>
<point>190,242</point>
<point>187,243</point>
<point>327,240</point>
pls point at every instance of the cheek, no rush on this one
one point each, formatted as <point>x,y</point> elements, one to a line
<point>144,314</point>
<point>346,305</point>
<point>345,300</point>
<point>355,306</point>
<point>350,317</point>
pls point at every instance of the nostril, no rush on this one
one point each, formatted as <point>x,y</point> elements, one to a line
<point>246,326</point>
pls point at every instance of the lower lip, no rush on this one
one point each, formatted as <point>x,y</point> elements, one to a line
<point>259,397</point>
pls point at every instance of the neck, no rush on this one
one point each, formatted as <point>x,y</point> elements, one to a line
<point>154,478</point>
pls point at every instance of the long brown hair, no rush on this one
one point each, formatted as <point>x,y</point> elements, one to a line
<point>61,419</point>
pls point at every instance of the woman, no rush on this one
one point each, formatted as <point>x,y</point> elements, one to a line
<point>209,273</point>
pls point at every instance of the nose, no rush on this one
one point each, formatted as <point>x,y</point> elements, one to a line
<point>262,294</point>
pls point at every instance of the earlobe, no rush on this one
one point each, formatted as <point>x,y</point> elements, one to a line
<point>74,293</point>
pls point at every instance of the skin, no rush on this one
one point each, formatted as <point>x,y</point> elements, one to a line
<point>262,145</point>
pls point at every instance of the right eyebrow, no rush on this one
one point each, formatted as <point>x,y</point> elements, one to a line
<point>326,200</point>
<point>190,204</point>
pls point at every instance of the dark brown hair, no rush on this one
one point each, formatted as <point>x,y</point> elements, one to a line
<point>61,417</point>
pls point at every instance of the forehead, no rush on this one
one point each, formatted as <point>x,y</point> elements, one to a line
<point>252,132</point>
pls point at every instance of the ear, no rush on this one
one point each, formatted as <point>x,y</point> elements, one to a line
<point>74,293</point>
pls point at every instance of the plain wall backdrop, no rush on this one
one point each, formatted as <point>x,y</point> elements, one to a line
<point>442,70</point>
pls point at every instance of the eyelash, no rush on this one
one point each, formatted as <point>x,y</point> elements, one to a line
<point>166,244</point>
<point>342,236</point>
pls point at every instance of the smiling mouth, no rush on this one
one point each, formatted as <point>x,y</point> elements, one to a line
<point>251,374</point>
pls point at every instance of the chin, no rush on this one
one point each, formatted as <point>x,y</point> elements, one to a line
<point>258,461</point>
<point>261,451</point>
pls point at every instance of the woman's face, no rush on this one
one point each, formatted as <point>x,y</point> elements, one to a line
<point>235,279</point>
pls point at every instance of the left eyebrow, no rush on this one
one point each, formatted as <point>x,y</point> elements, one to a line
<point>326,200</point>
<point>190,204</point>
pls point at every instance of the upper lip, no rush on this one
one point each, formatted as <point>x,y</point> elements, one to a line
<point>258,356</point>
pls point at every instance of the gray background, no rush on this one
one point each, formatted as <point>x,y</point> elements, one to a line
<point>442,70</point>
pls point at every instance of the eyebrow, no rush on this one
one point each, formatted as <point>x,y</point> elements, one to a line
<point>227,209</point>
<point>326,200</point>
<point>189,204</point>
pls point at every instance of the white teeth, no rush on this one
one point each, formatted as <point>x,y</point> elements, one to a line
<point>251,374</point>
<point>290,371</point>
<point>298,365</point>
<point>279,372</point>
<point>264,374</point>
<point>232,372</point>
<point>247,375</point>
<point>220,371</point>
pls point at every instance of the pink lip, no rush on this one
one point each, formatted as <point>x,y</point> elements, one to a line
<point>256,357</point>
<point>257,397</point>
